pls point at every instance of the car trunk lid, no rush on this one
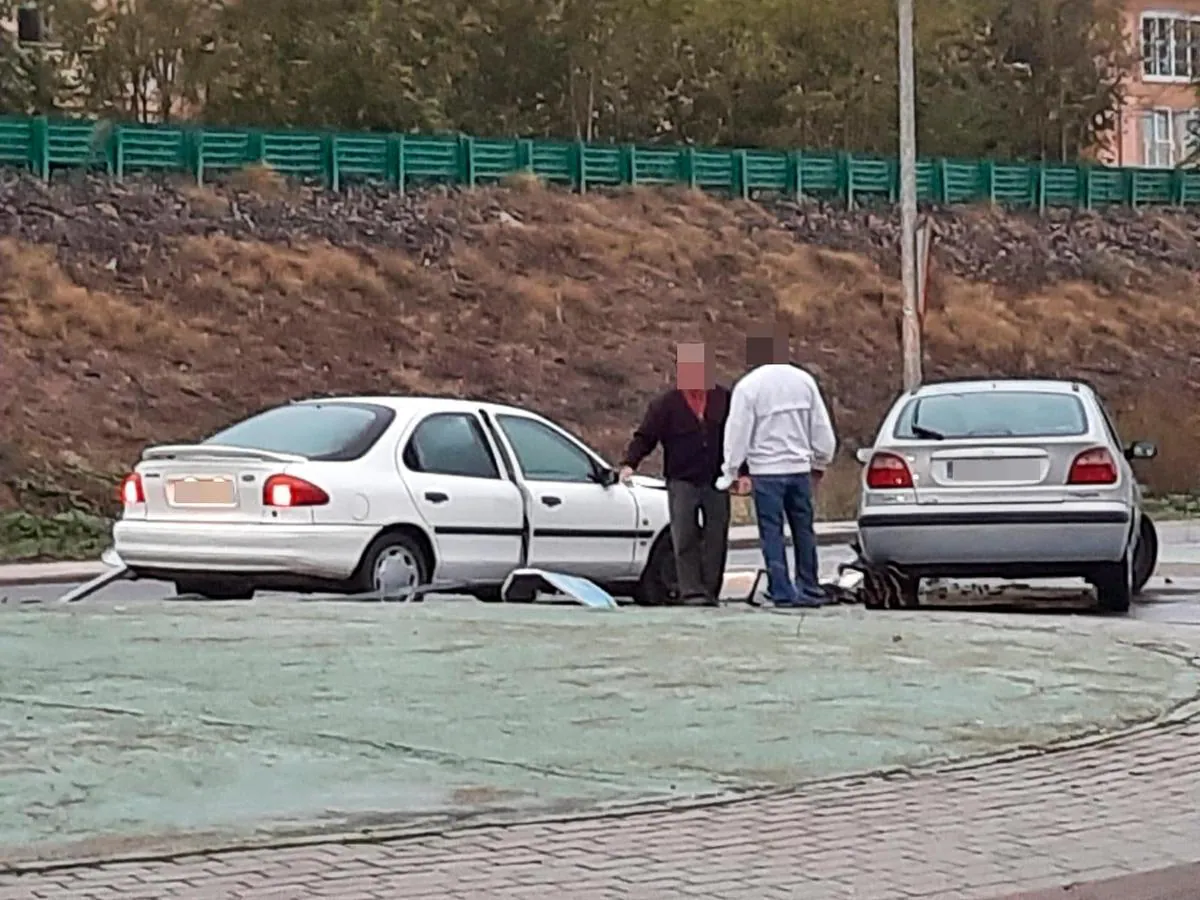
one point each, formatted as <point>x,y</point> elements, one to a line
<point>208,482</point>
<point>962,473</point>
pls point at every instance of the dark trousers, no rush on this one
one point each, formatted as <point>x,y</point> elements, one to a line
<point>779,499</point>
<point>700,549</point>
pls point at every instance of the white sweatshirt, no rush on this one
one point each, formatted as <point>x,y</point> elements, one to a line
<point>778,424</point>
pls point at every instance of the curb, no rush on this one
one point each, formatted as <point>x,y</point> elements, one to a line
<point>27,574</point>
<point>55,573</point>
<point>840,535</point>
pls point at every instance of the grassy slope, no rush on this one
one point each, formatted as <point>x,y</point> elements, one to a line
<point>570,305</point>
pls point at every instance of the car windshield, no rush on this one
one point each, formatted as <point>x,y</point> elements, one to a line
<point>319,431</point>
<point>992,414</point>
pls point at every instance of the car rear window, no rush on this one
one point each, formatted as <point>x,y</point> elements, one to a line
<point>992,414</point>
<point>330,432</point>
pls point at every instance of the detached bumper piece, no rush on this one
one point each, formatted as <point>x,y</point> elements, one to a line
<point>846,589</point>
<point>878,587</point>
<point>875,587</point>
<point>886,587</point>
<point>119,572</point>
<point>525,585</point>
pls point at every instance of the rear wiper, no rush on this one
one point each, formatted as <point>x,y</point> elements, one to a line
<point>927,433</point>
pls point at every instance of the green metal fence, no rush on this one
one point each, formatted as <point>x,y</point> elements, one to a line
<point>45,145</point>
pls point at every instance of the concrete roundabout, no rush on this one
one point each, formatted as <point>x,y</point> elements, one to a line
<point>163,727</point>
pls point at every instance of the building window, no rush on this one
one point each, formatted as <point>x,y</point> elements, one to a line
<point>31,26</point>
<point>1170,137</point>
<point>1170,46</point>
<point>1158,147</point>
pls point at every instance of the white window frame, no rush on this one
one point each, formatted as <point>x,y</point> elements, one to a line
<point>1154,143</point>
<point>1149,62</point>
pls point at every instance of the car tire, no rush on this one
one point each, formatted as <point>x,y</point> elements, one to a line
<point>1114,586</point>
<point>394,544</point>
<point>488,594</point>
<point>659,584</point>
<point>213,590</point>
<point>1145,558</point>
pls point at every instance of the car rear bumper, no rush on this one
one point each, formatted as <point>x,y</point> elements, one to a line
<point>964,539</point>
<point>313,551</point>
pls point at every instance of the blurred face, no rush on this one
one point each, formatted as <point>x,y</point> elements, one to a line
<point>692,367</point>
<point>766,346</point>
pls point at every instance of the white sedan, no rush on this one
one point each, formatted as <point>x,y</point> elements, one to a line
<point>324,495</point>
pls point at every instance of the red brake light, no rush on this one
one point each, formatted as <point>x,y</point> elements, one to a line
<point>1094,466</point>
<point>131,490</point>
<point>887,470</point>
<point>288,490</point>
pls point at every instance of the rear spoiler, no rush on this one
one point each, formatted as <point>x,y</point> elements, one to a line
<point>218,451</point>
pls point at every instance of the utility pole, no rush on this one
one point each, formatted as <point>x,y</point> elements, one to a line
<point>910,332</point>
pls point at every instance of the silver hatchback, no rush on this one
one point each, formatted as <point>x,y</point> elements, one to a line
<point>1016,478</point>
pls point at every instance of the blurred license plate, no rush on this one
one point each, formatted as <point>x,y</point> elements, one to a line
<point>203,492</point>
<point>977,470</point>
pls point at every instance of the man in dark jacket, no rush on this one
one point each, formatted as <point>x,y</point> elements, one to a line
<point>689,422</point>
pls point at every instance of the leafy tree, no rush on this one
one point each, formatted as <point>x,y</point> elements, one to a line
<point>354,64</point>
<point>137,55</point>
<point>36,79</point>
<point>1018,78</point>
<point>1066,61</point>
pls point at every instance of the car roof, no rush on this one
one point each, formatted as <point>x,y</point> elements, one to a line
<point>984,385</point>
<point>418,404</point>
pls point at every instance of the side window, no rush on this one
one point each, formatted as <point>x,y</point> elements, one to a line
<point>543,454</point>
<point>450,444</point>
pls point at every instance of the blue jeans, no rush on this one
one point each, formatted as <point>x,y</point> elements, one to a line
<point>776,498</point>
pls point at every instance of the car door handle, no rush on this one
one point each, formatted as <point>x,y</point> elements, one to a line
<point>436,497</point>
<point>552,501</point>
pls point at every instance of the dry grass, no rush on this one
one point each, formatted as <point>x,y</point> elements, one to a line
<point>44,304</point>
<point>1062,325</point>
<point>204,200</point>
<point>522,181</point>
<point>837,497</point>
<point>622,277</point>
<point>568,305</point>
<point>306,272</point>
<point>259,179</point>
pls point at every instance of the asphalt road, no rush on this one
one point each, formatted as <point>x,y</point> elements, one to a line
<point>1172,596</point>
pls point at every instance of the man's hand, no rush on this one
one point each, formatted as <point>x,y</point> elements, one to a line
<point>816,476</point>
<point>625,476</point>
<point>742,486</point>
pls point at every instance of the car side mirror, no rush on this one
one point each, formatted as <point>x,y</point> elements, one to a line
<point>1141,450</point>
<point>863,454</point>
<point>607,477</point>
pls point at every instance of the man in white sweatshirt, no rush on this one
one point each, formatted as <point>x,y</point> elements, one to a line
<point>779,425</point>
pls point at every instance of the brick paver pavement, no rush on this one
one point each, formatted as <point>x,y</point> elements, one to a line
<point>1174,883</point>
<point>1077,815</point>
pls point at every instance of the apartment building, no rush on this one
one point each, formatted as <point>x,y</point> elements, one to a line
<point>1161,101</point>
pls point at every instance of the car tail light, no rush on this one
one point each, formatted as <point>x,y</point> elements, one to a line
<point>132,492</point>
<point>1094,466</point>
<point>288,490</point>
<point>887,470</point>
